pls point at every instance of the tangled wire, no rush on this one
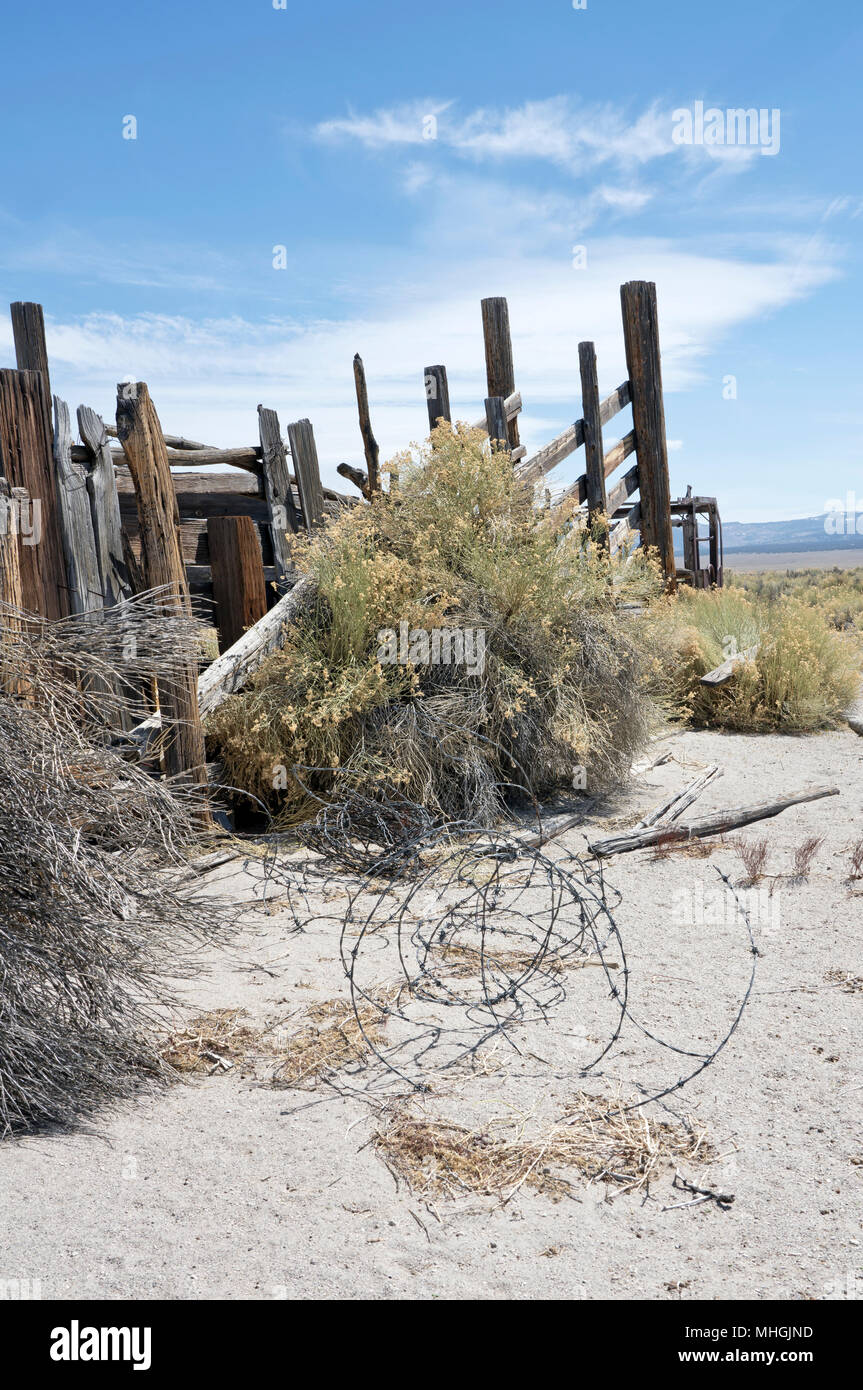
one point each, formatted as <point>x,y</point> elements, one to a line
<point>483,932</point>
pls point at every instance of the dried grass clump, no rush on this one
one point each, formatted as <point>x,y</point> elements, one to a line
<point>598,1136</point>
<point>98,907</point>
<point>803,677</point>
<point>214,1041</point>
<point>463,546</point>
<point>333,1037</point>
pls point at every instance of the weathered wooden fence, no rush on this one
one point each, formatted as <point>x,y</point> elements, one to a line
<point>120,511</point>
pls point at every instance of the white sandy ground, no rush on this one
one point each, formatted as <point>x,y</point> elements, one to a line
<point>224,1187</point>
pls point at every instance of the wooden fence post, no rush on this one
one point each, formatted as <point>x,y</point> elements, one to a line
<point>238,576</point>
<point>76,523</point>
<point>641,339</point>
<point>28,332</point>
<point>437,395</point>
<point>301,438</point>
<point>593,455</point>
<point>10,565</point>
<point>370,444</point>
<point>495,418</point>
<point>279,495</point>
<point>140,433</point>
<point>499,369</point>
<point>104,509</point>
<point>27,461</point>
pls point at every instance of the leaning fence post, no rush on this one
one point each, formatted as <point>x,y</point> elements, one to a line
<point>238,576</point>
<point>593,455</point>
<point>641,339</point>
<point>437,395</point>
<point>301,438</point>
<point>280,498</point>
<point>140,433</point>
<point>500,372</point>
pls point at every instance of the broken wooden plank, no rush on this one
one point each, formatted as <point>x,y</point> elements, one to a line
<point>357,476</point>
<point>592,430</point>
<point>625,529</point>
<point>283,518</point>
<point>76,524</point>
<point>676,804</point>
<point>716,824</point>
<point>114,575</point>
<point>301,438</point>
<point>238,576</point>
<point>722,673</point>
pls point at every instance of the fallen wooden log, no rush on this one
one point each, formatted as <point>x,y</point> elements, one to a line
<point>722,673</point>
<point>715,824</point>
<point>677,803</point>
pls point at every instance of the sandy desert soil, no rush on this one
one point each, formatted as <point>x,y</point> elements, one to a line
<point>224,1186</point>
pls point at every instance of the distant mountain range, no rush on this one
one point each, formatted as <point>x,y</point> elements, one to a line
<point>804,533</point>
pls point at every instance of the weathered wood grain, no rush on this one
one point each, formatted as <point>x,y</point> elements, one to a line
<point>370,444</point>
<point>237,576</point>
<point>301,438</point>
<point>592,430</point>
<point>139,431</point>
<point>104,508</point>
<point>27,461</point>
<point>283,518</point>
<point>28,333</point>
<point>437,394</point>
<point>495,422</point>
<point>716,824</point>
<point>641,341</point>
<point>76,524</point>
<point>499,368</point>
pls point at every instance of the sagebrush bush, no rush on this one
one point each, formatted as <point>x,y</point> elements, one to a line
<point>804,675</point>
<point>462,544</point>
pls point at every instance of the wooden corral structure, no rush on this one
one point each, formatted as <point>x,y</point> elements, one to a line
<point>129,508</point>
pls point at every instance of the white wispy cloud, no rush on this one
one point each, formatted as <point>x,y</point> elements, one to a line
<point>561,131</point>
<point>208,376</point>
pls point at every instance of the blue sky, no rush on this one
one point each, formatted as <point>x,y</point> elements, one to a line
<point>305,127</point>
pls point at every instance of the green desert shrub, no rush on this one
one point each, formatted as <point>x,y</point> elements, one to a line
<point>460,545</point>
<point>804,675</point>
